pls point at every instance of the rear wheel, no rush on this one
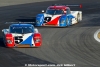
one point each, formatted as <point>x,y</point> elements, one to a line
<point>78,18</point>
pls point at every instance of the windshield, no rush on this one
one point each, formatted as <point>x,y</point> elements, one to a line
<point>21,30</point>
<point>54,11</point>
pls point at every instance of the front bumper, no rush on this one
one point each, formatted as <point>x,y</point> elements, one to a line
<point>49,25</point>
<point>23,45</point>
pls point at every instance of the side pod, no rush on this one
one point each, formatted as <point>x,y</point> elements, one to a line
<point>37,39</point>
<point>9,40</point>
<point>39,20</point>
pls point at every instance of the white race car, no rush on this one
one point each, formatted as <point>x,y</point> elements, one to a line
<point>21,35</point>
<point>59,15</point>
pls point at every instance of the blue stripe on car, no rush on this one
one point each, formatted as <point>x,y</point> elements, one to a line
<point>66,20</point>
<point>28,40</point>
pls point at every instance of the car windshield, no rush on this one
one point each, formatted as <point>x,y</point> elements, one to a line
<point>54,11</point>
<point>21,30</point>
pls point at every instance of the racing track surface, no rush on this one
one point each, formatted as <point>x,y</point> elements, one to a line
<point>70,45</point>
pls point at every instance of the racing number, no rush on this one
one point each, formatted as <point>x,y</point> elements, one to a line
<point>47,19</point>
<point>18,39</point>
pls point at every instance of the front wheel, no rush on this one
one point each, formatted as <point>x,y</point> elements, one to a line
<point>68,22</point>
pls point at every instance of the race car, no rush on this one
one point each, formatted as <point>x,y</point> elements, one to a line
<point>59,15</point>
<point>21,35</point>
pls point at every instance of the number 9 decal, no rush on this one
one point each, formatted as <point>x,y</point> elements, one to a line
<point>18,39</point>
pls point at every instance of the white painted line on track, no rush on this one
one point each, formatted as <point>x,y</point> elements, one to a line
<point>96,35</point>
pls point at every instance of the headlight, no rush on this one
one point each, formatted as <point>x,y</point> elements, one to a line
<point>37,40</point>
<point>62,21</point>
<point>9,41</point>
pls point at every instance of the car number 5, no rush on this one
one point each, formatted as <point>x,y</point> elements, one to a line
<point>18,39</point>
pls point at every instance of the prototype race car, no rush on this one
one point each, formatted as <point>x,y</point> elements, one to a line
<point>21,35</point>
<point>59,15</point>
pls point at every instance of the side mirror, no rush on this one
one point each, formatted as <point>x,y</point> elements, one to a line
<point>2,30</point>
<point>36,30</point>
<point>42,11</point>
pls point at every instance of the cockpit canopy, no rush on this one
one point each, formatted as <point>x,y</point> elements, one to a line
<point>54,12</point>
<point>21,28</point>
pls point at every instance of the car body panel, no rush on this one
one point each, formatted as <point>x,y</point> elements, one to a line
<point>67,18</point>
<point>21,39</point>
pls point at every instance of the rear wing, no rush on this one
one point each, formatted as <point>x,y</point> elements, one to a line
<point>80,5</point>
<point>19,22</point>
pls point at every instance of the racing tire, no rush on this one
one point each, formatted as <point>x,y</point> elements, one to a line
<point>71,22</point>
<point>3,40</point>
<point>78,18</point>
<point>67,25</point>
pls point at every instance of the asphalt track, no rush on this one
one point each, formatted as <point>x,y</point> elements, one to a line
<point>70,45</point>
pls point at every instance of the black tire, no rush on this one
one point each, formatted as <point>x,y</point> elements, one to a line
<point>71,22</point>
<point>78,18</point>
<point>67,23</point>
